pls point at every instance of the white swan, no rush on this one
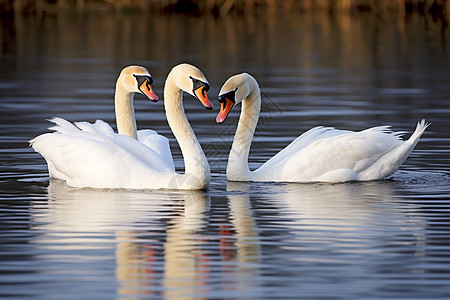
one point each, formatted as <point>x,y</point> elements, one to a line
<point>92,155</point>
<point>322,154</point>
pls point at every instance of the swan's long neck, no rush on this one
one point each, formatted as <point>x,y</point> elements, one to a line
<point>197,172</point>
<point>238,160</point>
<point>126,123</point>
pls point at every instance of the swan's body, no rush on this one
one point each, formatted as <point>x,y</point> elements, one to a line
<point>322,154</point>
<point>92,155</point>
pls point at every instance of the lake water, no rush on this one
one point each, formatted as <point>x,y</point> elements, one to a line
<point>372,240</point>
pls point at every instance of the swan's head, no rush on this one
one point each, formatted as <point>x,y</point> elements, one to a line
<point>233,92</point>
<point>191,80</point>
<point>136,79</point>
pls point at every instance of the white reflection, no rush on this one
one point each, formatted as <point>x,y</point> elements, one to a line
<point>160,239</point>
<point>186,264</point>
<point>139,264</point>
<point>346,218</point>
<point>335,204</point>
<point>188,260</point>
<point>246,269</point>
<point>131,223</point>
<point>94,210</point>
<point>165,243</point>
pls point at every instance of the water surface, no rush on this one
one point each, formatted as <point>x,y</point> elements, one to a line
<point>382,239</point>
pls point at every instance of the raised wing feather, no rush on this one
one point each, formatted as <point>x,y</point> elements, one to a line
<point>92,155</point>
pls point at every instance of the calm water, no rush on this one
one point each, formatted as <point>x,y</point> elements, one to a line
<point>384,239</point>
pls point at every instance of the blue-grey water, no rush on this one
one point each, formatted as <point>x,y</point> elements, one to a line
<point>382,239</point>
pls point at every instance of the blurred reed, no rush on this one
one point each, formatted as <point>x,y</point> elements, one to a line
<point>221,7</point>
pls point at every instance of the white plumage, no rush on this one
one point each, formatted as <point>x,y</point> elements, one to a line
<point>92,155</point>
<point>322,154</point>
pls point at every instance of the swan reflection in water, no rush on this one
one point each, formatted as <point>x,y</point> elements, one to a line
<point>163,243</point>
<point>190,246</point>
<point>178,244</point>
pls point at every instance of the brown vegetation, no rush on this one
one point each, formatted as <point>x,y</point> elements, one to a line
<point>199,7</point>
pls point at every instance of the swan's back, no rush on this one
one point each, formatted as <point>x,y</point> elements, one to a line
<point>321,154</point>
<point>330,155</point>
<point>92,155</point>
<point>304,140</point>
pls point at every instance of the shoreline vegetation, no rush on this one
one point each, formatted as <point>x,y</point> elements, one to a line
<point>436,8</point>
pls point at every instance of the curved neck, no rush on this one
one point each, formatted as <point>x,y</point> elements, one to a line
<point>238,160</point>
<point>197,172</point>
<point>126,123</point>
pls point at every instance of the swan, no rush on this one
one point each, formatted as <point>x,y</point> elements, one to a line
<point>322,154</point>
<point>92,155</point>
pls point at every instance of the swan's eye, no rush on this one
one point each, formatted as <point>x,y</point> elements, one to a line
<point>141,79</point>
<point>231,96</point>
<point>144,85</point>
<point>196,83</point>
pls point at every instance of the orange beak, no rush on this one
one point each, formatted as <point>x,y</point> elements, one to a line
<point>147,90</point>
<point>225,108</point>
<point>200,93</point>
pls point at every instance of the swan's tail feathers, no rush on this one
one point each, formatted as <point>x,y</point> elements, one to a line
<point>420,129</point>
<point>62,126</point>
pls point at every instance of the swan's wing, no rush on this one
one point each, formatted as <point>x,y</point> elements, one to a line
<point>101,130</point>
<point>160,144</point>
<point>65,127</point>
<point>86,157</point>
<point>336,158</point>
<point>304,140</point>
